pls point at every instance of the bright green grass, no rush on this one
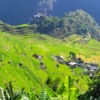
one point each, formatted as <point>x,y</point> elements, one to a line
<point>20,48</point>
<point>22,25</point>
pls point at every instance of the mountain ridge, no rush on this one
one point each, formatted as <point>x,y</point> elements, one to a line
<point>75,22</point>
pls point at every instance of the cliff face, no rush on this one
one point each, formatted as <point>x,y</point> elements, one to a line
<point>20,11</point>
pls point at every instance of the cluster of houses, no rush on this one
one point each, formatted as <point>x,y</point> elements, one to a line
<point>88,67</point>
<point>42,65</point>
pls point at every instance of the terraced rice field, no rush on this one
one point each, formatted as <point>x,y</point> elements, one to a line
<point>19,66</point>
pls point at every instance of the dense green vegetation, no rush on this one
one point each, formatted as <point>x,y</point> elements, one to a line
<point>94,90</point>
<point>19,65</point>
<point>78,22</point>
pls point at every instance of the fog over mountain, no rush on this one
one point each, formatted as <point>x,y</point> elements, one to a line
<point>20,11</point>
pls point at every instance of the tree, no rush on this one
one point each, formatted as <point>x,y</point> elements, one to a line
<point>93,92</point>
<point>72,55</point>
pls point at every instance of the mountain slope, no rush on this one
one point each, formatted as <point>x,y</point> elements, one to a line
<point>19,65</point>
<point>81,23</point>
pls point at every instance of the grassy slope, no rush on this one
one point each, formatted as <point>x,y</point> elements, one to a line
<point>19,49</point>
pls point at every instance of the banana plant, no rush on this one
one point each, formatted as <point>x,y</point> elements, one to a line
<point>44,95</point>
<point>10,94</point>
<point>70,92</point>
<point>2,96</point>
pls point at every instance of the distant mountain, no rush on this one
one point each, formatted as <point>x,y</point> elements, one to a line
<point>20,11</point>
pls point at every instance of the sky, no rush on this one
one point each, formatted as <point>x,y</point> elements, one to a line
<point>20,11</point>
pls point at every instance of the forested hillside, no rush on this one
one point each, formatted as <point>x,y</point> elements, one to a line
<point>78,22</point>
